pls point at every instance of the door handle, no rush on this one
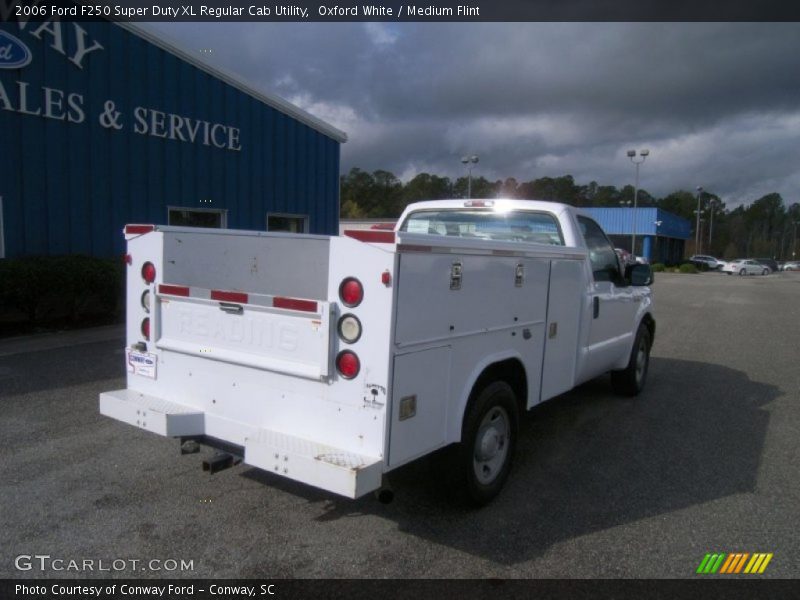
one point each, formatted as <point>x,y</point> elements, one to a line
<point>596,307</point>
<point>232,309</point>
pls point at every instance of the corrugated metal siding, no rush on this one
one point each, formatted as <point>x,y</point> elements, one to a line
<point>649,221</point>
<point>620,220</point>
<point>673,226</point>
<point>71,187</point>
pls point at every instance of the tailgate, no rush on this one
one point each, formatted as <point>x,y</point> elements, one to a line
<point>287,335</point>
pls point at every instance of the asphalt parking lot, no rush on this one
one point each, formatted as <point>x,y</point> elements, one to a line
<point>706,460</point>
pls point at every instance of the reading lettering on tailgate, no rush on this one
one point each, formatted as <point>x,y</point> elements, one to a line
<point>252,335</point>
<point>241,330</point>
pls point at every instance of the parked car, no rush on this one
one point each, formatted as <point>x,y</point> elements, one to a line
<point>712,263</point>
<point>745,266</point>
<point>791,266</point>
<point>770,262</point>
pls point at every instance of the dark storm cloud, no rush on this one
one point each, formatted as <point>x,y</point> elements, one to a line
<point>718,105</point>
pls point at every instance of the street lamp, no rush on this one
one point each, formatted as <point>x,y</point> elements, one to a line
<point>469,161</point>
<point>794,244</point>
<point>625,203</point>
<point>643,154</point>
<point>697,227</point>
<point>712,208</point>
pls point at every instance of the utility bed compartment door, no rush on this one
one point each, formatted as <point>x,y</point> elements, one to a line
<point>286,341</point>
<point>419,404</point>
<point>563,326</point>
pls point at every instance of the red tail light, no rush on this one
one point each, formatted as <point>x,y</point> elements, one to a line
<point>146,328</point>
<point>149,272</point>
<point>351,292</point>
<point>347,364</point>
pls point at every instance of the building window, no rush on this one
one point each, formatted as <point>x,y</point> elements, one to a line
<point>197,217</point>
<point>287,223</point>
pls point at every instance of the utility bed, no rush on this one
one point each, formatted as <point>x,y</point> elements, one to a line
<point>333,360</point>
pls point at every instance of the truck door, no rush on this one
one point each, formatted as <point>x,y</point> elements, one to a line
<point>611,303</point>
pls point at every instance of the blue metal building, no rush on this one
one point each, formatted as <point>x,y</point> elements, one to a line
<point>660,235</point>
<point>103,124</point>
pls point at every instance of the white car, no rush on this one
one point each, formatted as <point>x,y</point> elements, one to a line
<point>745,266</point>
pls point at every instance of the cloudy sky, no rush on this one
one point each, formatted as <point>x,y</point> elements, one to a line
<point>717,105</point>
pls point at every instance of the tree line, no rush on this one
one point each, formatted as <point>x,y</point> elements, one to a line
<point>767,227</point>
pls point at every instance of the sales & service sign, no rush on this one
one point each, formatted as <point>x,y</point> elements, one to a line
<point>78,47</point>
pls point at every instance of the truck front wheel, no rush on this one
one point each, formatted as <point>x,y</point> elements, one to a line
<point>488,441</point>
<point>630,380</point>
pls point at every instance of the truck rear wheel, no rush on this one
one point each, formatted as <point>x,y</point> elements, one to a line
<point>488,441</point>
<point>630,380</point>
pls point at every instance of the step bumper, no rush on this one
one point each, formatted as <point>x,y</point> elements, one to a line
<point>333,469</point>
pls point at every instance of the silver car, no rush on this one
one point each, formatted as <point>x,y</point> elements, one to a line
<point>704,259</point>
<point>745,266</point>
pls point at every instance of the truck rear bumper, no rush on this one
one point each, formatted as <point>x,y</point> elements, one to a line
<point>333,469</point>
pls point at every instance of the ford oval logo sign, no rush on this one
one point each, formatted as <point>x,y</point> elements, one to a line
<point>14,54</point>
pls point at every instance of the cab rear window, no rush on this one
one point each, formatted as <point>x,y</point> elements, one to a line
<point>512,225</point>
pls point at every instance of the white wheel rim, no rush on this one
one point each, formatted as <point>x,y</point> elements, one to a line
<point>491,445</point>
<point>641,360</point>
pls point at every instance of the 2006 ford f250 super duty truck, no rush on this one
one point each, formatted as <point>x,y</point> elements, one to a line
<point>334,360</point>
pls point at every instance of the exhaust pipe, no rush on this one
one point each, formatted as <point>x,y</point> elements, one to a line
<point>189,447</point>
<point>219,462</point>
<point>385,493</point>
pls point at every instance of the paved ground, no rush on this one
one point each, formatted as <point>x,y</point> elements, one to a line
<point>706,460</point>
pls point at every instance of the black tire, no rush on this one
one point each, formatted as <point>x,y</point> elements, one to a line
<point>742,272</point>
<point>765,272</point>
<point>490,429</point>
<point>631,380</point>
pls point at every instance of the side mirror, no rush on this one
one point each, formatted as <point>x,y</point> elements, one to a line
<point>639,275</point>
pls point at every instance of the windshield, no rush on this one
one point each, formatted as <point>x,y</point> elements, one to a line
<point>512,225</point>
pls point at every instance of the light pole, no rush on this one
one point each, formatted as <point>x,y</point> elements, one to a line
<point>794,243</point>
<point>469,161</point>
<point>697,227</point>
<point>625,203</point>
<point>712,207</point>
<point>643,154</point>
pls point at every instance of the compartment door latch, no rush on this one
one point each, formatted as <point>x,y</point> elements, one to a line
<point>455,275</point>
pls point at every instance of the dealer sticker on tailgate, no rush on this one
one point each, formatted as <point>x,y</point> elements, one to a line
<point>142,363</point>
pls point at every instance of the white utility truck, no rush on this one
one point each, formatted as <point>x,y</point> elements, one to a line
<point>334,360</point>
